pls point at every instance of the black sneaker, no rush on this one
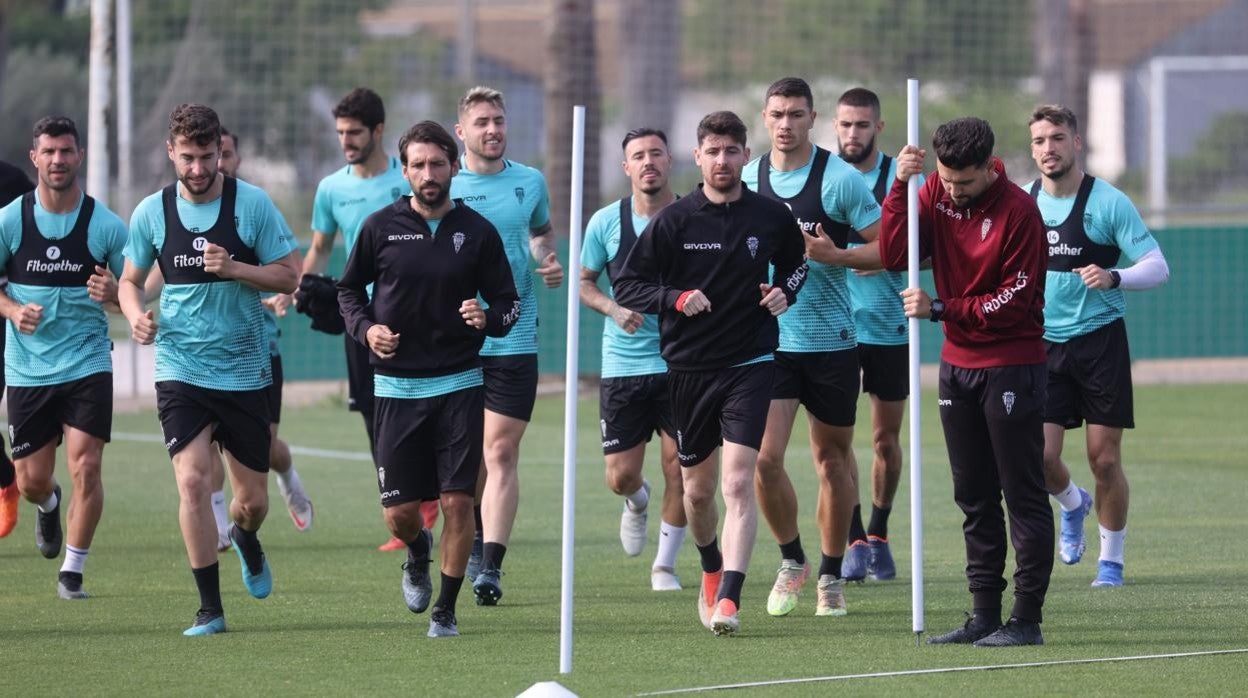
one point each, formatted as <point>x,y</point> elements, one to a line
<point>48,534</point>
<point>69,585</point>
<point>975,628</point>
<point>1015,633</point>
<point>417,586</point>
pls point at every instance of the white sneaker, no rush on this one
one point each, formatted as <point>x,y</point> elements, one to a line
<point>633,526</point>
<point>831,596</point>
<point>297,503</point>
<point>664,579</point>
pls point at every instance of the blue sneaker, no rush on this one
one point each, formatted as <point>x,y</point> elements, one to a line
<point>1108,574</point>
<point>1073,542</point>
<point>259,584</point>
<point>475,557</point>
<point>487,588</point>
<point>880,566</point>
<point>206,623</point>
<point>854,566</point>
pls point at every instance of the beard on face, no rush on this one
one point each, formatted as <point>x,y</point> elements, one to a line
<point>434,201</point>
<point>1063,168</point>
<point>186,182</point>
<point>867,149</point>
<point>363,153</point>
<point>64,184</point>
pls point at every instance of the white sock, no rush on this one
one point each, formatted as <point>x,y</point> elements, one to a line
<point>1111,544</point>
<point>75,558</point>
<point>1069,498</point>
<point>639,500</point>
<point>49,504</point>
<point>670,539</point>
<point>220,512</point>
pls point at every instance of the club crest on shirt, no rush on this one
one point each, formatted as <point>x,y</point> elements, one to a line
<point>752,244</point>
<point>983,229</point>
<point>1007,398</point>
<point>458,241</point>
<point>519,195</point>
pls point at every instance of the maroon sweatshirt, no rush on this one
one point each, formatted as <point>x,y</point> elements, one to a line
<point>988,262</point>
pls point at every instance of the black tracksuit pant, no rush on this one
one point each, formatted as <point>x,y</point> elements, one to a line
<point>994,430</point>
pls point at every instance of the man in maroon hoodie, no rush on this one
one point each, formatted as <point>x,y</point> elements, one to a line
<point>986,241</point>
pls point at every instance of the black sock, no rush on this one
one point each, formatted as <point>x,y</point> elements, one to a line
<point>712,560</point>
<point>855,525</point>
<point>418,547</point>
<point>208,581</point>
<point>250,545</point>
<point>492,556</point>
<point>879,522</point>
<point>793,551</point>
<point>730,586</point>
<point>449,592</point>
<point>830,565</point>
<point>476,517</point>
<point>7,473</point>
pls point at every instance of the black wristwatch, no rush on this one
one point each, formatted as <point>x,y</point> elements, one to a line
<point>1115,278</point>
<point>938,309</point>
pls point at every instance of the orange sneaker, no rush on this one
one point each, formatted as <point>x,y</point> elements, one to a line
<point>392,545</point>
<point>707,595</point>
<point>725,621</point>
<point>429,512</point>
<point>9,499</point>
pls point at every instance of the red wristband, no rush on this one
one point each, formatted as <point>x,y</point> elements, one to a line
<point>680,301</point>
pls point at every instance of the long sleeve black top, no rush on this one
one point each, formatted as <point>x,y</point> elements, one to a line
<point>420,280</point>
<point>724,250</point>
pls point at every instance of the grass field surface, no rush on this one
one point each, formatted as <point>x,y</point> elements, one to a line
<point>336,623</point>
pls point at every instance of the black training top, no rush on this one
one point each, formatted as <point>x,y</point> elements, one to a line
<point>420,279</point>
<point>724,250</point>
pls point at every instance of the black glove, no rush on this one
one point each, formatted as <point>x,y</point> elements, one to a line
<point>318,299</point>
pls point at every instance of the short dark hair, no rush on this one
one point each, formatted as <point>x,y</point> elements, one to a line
<point>861,97</point>
<point>363,104</point>
<point>56,126</point>
<point>963,143</point>
<point>428,132</point>
<point>722,123</point>
<point>226,132</point>
<point>642,133</point>
<point>791,87</point>
<point>196,123</point>
<point>1057,115</point>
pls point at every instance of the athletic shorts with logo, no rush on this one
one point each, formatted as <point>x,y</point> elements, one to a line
<point>510,385</point>
<point>885,370</point>
<point>38,413</point>
<point>632,409</point>
<point>710,407</point>
<point>1090,379</point>
<point>428,446</point>
<point>826,382</point>
<point>241,419</point>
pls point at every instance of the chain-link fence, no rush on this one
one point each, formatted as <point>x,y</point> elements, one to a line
<point>1162,96</point>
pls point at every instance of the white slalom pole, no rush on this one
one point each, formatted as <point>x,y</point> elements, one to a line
<point>916,396</point>
<point>570,390</point>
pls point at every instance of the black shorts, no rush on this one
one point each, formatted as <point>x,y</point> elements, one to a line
<point>511,385</point>
<point>1090,379</point>
<point>885,370</point>
<point>359,376</point>
<point>241,418</point>
<point>825,382</point>
<point>429,446</point>
<point>709,407</point>
<point>274,392</point>
<point>631,409</point>
<point>37,414</point>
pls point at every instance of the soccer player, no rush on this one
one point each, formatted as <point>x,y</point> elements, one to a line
<point>60,250</point>
<point>1090,224</point>
<point>633,398</point>
<point>429,258</point>
<point>513,197</point>
<point>883,339</point>
<point>219,242</point>
<point>817,363</point>
<point>13,183</point>
<point>986,242</point>
<point>702,266</point>
<point>371,181</point>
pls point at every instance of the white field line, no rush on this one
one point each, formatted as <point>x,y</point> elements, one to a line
<point>944,670</point>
